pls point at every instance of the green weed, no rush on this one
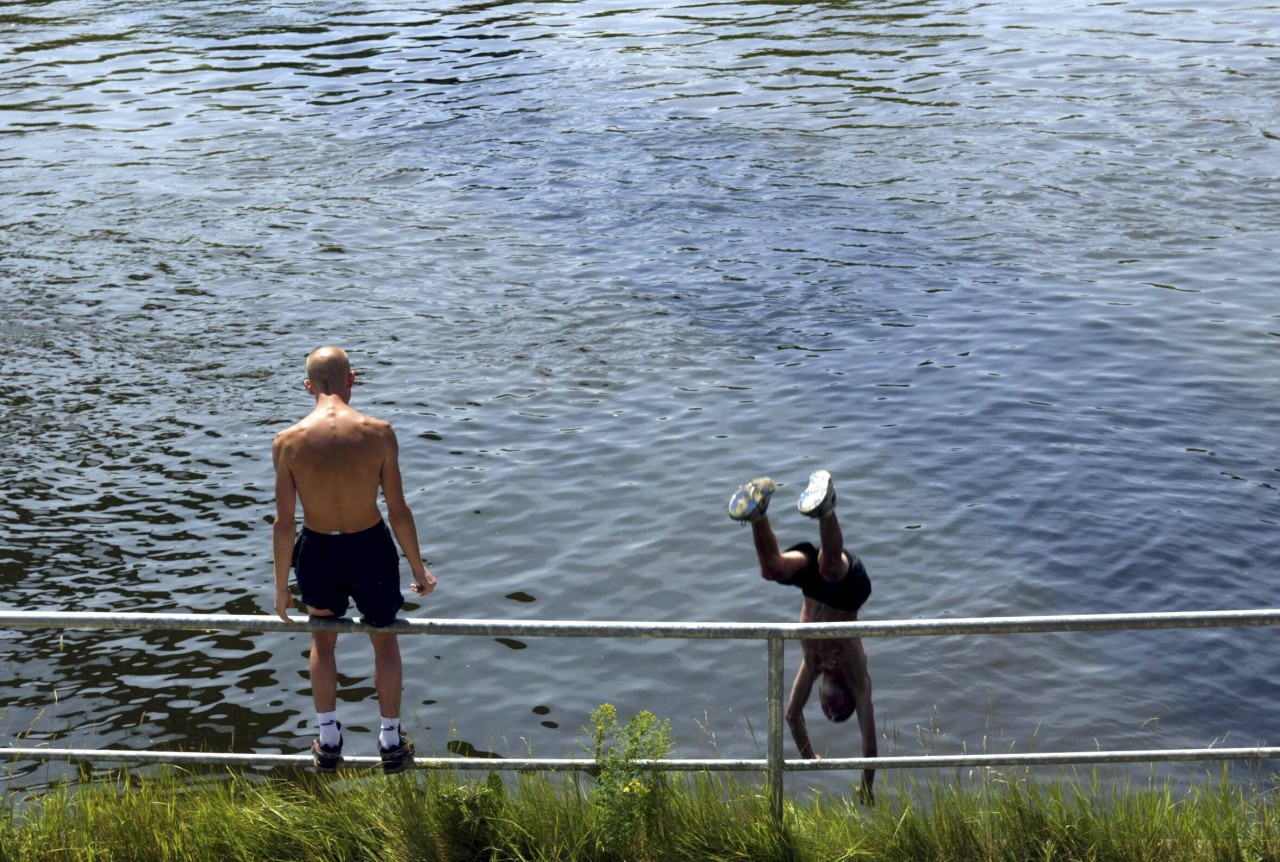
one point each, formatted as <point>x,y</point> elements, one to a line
<point>629,798</point>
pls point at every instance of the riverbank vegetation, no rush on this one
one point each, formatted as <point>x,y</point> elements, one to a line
<point>625,812</point>
<point>444,816</point>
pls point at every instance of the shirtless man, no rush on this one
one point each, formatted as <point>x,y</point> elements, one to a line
<point>335,460</point>
<point>835,585</point>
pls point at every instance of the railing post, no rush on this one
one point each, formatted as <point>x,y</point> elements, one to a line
<point>775,766</point>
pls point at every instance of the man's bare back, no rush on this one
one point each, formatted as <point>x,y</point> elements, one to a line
<point>343,500</point>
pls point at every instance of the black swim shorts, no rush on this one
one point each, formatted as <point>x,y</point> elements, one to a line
<point>847,594</point>
<point>363,566</point>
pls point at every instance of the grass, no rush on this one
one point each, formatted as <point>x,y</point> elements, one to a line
<point>173,815</point>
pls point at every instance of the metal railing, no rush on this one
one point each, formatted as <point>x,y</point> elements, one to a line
<point>775,765</point>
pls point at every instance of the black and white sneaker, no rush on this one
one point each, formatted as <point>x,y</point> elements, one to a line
<point>327,758</point>
<point>397,759</point>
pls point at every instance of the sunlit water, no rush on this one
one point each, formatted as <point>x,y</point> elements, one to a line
<point>1007,270</point>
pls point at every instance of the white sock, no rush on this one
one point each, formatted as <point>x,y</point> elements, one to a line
<point>389,735</point>
<point>330,734</point>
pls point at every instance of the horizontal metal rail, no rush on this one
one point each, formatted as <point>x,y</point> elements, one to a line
<point>552,764</point>
<point>775,634</point>
<point>621,629</point>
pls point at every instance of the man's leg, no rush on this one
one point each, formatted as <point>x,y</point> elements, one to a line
<point>324,671</point>
<point>749,504</point>
<point>388,676</point>
<point>396,750</point>
<point>819,501</point>
<point>326,752</point>
<point>774,564</point>
<point>833,564</point>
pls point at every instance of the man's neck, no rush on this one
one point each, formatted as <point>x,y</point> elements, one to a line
<point>327,401</point>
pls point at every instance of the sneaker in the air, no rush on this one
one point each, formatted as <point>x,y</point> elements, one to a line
<point>819,499</point>
<point>750,502</point>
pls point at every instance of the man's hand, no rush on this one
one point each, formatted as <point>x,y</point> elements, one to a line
<point>284,601</point>
<point>423,582</point>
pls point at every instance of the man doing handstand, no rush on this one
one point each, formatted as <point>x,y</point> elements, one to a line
<point>835,586</point>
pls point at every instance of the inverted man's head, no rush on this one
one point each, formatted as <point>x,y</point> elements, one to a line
<point>836,697</point>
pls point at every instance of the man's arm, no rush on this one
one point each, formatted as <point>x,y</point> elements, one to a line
<point>401,518</point>
<point>284,529</point>
<point>800,690</point>
<point>866,720</point>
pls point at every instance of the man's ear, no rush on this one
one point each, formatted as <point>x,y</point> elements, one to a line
<point>306,384</point>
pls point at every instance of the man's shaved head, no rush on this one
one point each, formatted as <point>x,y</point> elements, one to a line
<point>837,697</point>
<point>329,370</point>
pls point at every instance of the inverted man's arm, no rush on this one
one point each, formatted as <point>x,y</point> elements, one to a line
<point>800,690</point>
<point>284,529</point>
<point>401,518</point>
<point>866,719</point>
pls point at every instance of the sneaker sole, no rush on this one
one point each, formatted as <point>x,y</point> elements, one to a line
<point>752,499</point>
<point>819,497</point>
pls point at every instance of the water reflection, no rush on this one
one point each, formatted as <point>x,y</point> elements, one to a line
<point>466,749</point>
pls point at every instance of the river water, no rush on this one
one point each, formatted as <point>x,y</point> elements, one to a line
<point>1007,270</point>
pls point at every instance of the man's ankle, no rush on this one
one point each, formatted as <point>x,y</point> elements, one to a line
<point>330,730</point>
<point>389,733</point>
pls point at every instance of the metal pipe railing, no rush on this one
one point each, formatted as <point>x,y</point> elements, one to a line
<point>552,764</point>
<point>775,634</point>
<point>622,629</point>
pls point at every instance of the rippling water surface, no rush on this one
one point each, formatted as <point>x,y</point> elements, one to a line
<point>1008,270</point>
